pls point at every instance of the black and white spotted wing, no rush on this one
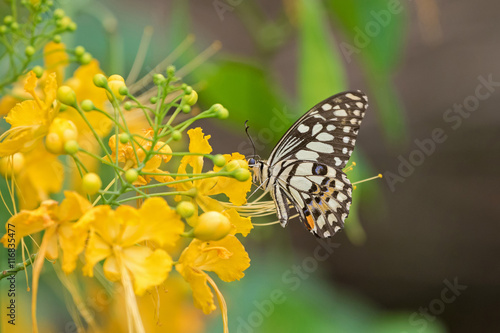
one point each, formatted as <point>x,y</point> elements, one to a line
<point>326,133</point>
<point>305,168</point>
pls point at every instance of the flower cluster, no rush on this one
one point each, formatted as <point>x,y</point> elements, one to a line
<point>162,208</point>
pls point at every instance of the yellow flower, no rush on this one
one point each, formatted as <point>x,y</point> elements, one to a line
<point>227,258</point>
<point>41,174</point>
<point>114,236</point>
<point>203,188</point>
<point>126,155</point>
<point>30,119</point>
<point>57,221</point>
<point>60,218</point>
<point>234,189</point>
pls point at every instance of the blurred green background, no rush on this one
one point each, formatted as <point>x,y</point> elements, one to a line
<point>406,241</point>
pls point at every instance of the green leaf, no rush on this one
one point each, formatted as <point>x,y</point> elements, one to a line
<point>375,29</point>
<point>245,90</point>
<point>374,33</point>
<point>320,73</point>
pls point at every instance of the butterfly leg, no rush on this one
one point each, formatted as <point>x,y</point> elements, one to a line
<point>282,205</point>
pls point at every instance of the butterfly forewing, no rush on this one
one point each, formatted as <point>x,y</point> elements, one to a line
<point>326,133</point>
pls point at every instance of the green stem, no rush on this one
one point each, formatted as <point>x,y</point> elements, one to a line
<point>18,267</point>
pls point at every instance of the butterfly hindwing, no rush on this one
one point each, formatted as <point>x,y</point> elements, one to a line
<point>326,133</point>
<point>320,194</point>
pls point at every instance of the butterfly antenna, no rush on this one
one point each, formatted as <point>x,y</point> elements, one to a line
<point>250,138</point>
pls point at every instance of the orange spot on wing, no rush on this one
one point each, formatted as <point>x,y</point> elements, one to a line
<point>310,222</point>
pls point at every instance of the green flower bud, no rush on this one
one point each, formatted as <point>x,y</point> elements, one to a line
<point>87,105</point>
<point>131,175</point>
<point>127,106</point>
<point>7,20</point>
<point>3,29</point>
<point>153,100</point>
<point>38,70</point>
<point>186,108</point>
<point>79,51</point>
<point>124,138</point>
<point>176,135</point>
<point>59,13</point>
<point>188,90</point>
<point>185,209</point>
<point>158,79</point>
<point>14,26</point>
<point>219,160</point>
<point>170,71</point>
<point>100,81</point>
<point>86,58</point>
<point>72,26</point>
<point>29,51</point>
<point>191,98</point>
<point>71,147</point>
<point>241,174</point>
<point>66,95</point>
<point>222,113</point>
<point>56,39</point>
<point>123,91</point>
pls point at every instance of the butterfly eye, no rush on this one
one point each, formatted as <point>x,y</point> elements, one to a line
<point>251,162</point>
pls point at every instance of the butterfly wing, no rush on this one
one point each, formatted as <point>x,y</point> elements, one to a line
<point>321,194</point>
<point>326,133</point>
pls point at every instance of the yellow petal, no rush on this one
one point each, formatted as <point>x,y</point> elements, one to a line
<point>216,259</point>
<point>227,257</point>
<point>72,243</point>
<point>8,102</point>
<point>202,295</point>
<point>111,269</point>
<point>17,139</point>
<point>28,113</point>
<point>52,251</point>
<point>42,175</point>
<point>208,204</point>
<point>82,84</point>
<point>73,206</point>
<point>242,225</point>
<point>56,59</point>
<point>198,142</point>
<point>147,268</point>
<point>50,90</point>
<point>31,82</point>
<point>101,219</point>
<point>97,249</point>
<point>29,222</point>
<point>235,190</point>
<point>158,223</point>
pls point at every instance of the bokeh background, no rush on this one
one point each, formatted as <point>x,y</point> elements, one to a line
<point>408,238</point>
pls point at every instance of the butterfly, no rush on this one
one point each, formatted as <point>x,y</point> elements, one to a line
<point>304,169</point>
